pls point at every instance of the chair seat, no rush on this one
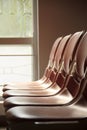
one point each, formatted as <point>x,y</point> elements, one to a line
<point>44,93</point>
<point>39,101</point>
<point>57,113</point>
<point>28,86</point>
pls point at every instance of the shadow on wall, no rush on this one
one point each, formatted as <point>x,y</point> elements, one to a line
<point>56,18</point>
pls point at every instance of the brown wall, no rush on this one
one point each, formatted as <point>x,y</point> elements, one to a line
<point>56,18</point>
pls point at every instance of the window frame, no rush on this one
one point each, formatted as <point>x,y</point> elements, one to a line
<point>28,40</point>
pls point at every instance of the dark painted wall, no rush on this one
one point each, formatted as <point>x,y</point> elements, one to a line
<point>56,18</point>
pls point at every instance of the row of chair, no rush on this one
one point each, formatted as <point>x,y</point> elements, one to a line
<point>59,98</point>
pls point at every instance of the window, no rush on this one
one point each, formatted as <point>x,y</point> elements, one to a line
<point>17,18</point>
<point>18,40</point>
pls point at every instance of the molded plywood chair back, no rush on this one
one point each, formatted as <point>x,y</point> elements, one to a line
<point>57,58</point>
<point>46,72</point>
<point>74,41</point>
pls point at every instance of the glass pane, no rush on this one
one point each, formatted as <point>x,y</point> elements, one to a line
<point>16,18</point>
<point>16,63</point>
<point>15,69</point>
<point>13,49</point>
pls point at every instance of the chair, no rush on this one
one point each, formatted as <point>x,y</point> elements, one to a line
<point>44,78</point>
<point>61,73</point>
<point>61,98</point>
<point>72,116</point>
